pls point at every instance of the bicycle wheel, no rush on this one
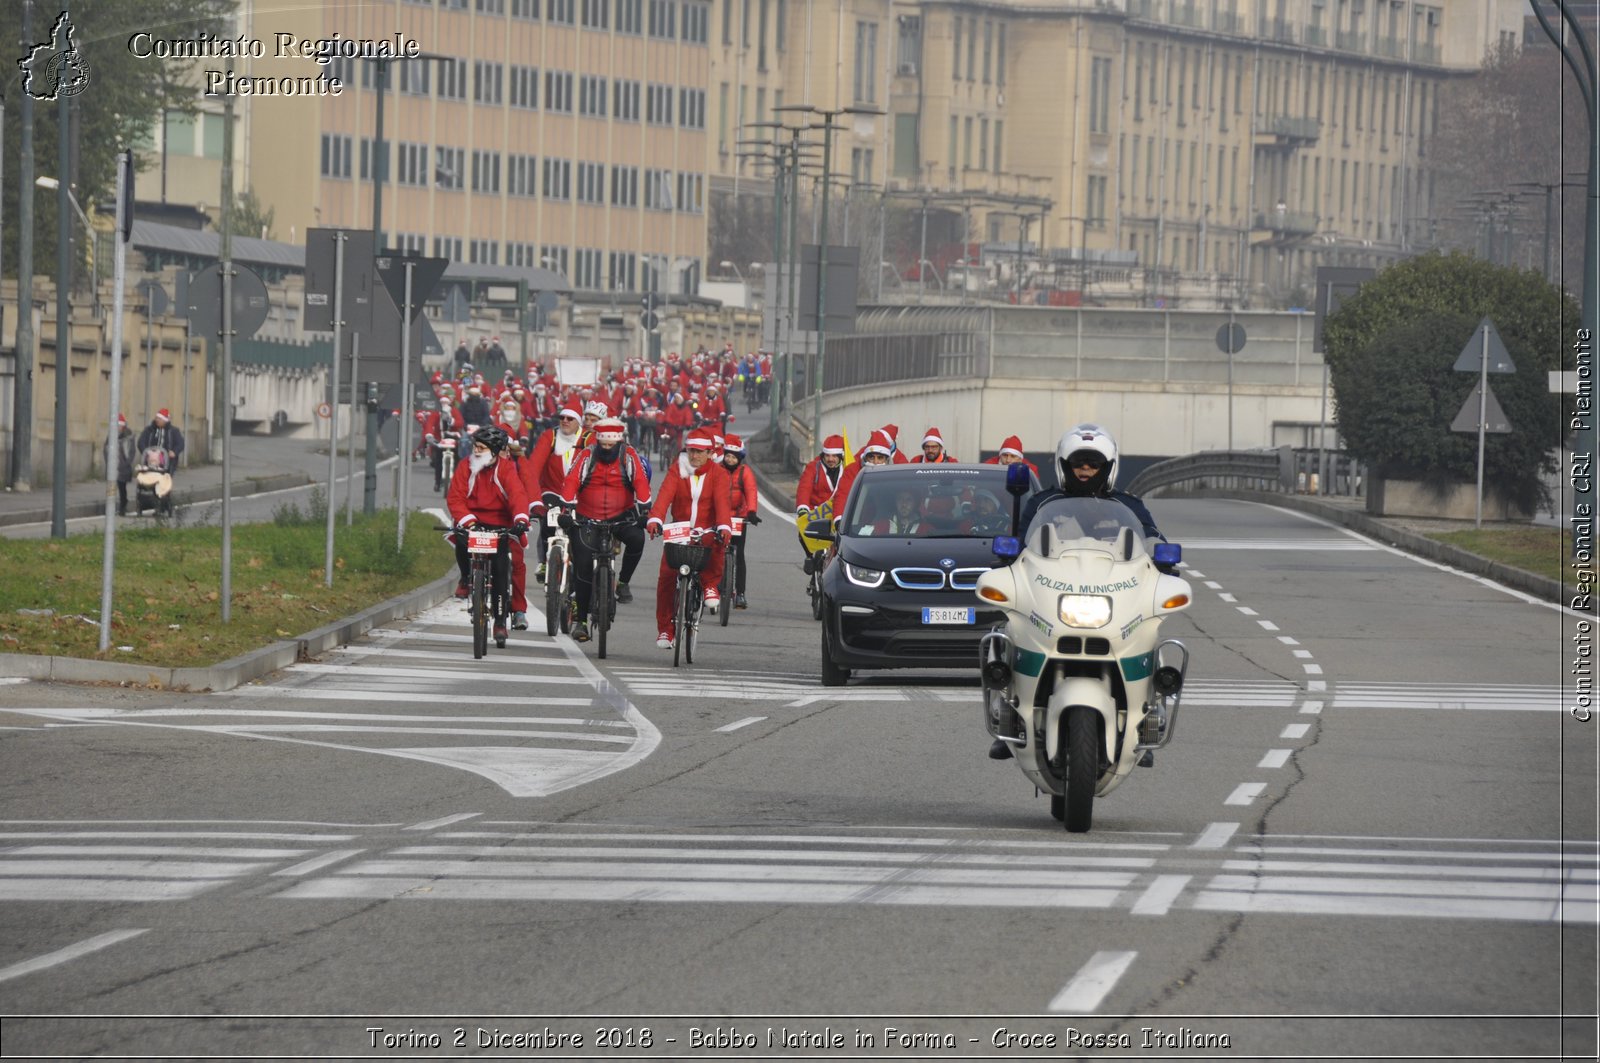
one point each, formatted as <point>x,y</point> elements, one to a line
<point>816,592</point>
<point>480,611</point>
<point>726,585</point>
<point>600,608</point>
<point>500,598</point>
<point>554,599</point>
<point>691,622</point>
<point>680,615</point>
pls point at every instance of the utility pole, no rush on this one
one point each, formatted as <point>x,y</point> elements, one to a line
<point>58,476</point>
<point>22,420</point>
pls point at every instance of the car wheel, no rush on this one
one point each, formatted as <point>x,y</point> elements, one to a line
<point>833,675</point>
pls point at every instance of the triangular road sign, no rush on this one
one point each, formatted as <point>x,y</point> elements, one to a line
<point>1471,357</point>
<point>425,274</point>
<point>1494,418</point>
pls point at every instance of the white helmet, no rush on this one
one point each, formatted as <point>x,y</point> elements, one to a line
<point>1086,439</point>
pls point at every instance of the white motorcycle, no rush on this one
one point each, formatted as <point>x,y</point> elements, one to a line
<point>1078,682</point>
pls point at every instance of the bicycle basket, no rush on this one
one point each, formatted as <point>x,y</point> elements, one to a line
<point>681,554</point>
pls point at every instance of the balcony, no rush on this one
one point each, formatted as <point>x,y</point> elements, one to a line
<point>1389,48</point>
<point>1347,41</point>
<point>1316,36</point>
<point>1228,22</point>
<point>1141,8</point>
<point>1288,133</point>
<point>1280,226</point>
<point>1426,53</point>
<point>1277,29</point>
<point>1185,15</point>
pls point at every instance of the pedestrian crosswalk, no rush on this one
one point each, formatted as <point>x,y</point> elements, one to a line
<point>1516,880</point>
<point>1499,697</point>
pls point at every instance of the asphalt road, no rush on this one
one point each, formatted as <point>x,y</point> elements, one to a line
<point>1373,836</point>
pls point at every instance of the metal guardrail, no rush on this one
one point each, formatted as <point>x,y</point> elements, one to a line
<point>1282,470</point>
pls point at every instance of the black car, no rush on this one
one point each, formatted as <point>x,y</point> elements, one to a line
<point>910,546</point>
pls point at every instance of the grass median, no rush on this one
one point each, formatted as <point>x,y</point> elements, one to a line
<point>166,591</point>
<point>1537,548</point>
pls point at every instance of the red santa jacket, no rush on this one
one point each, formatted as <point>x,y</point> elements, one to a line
<point>494,496</point>
<point>741,490</point>
<point>607,493</point>
<point>816,486</point>
<point>676,500</point>
<point>544,469</point>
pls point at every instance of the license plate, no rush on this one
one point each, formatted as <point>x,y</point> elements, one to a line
<point>948,616</point>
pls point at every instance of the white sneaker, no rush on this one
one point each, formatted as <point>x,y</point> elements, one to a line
<point>664,641</point>
<point>713,600</point>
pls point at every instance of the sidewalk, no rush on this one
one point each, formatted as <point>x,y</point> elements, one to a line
<point>257,464</point>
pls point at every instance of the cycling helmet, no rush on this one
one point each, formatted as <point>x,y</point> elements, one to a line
<point>493,438</point>
<point>609,431</point>
<point>1086,442</point>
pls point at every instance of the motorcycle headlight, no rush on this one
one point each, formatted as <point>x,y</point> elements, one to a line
<point>863,577</point>
<point>1085,610</point>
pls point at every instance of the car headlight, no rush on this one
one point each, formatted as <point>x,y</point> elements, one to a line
<point>1085,610</point>
<point>863,577</point>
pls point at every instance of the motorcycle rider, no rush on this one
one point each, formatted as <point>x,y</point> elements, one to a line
<point>1086,467</point>
<point>488,489</point>
<point>606,481</point>
<point>742,501</point>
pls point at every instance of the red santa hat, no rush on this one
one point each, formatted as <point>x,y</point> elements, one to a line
<point>933,436</point>
<point>572,411</point>
<point>122,420</point>
<point>880,442</point>
<point>699,438</point>
<point>892,433</point>
<point>163,414</point>
<point>1012,445</point>
<point>733,444</point>
<point>833,445</point>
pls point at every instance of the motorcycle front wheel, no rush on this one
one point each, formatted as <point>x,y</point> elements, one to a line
<point>1082,746</point>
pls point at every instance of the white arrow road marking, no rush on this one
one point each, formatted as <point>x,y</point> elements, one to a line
<point>71,952</point>
<point>1094,980</point>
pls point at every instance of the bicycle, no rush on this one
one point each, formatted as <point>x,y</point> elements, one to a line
<point>684,551</point>
<point>728,586</point>
<point>557,577</point>
<point>490,579</point>
<point>446,445</point>
<point>597,539</point>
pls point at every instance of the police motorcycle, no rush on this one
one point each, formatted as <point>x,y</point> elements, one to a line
<point>1078,681</point>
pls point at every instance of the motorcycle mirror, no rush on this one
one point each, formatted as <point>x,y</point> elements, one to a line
<point>1167,553</point>
<point>1018,476</point>
<point>1007,547</point>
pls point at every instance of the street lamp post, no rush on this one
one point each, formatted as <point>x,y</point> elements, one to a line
<point>22,412</point>
<point>58,478</point>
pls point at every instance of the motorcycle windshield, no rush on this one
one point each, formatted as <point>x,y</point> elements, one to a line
<point>1064,524</point>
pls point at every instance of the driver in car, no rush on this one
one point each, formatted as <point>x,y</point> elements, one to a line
<point>905,519</point>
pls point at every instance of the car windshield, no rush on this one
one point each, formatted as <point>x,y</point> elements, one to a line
<point>1064,523</point>
<point>930,502</point>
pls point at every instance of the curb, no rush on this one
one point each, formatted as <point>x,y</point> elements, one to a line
<point>1411,542</point>
<point>241,488</point>
<point>236,671</point>
<point>776,493</point>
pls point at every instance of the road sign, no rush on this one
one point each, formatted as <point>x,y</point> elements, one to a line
<point>154,296</point>
<point>1334,285</point>
<point>425,274</point>
<point>358,282</point>
<point>651,301</point>
<point>457,308</point>
<point>1230,338</point>
<point>205,302</point>
<point>649,320</point>
<point>1494,418</point>
<point>324,411</point>
<point>547,301</point>
<point>1485,340</point>
<point>537,318</point>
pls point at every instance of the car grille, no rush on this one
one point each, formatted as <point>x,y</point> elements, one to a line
<point>966,579</point>
<point>933,579</point>
<point>1096,647</point>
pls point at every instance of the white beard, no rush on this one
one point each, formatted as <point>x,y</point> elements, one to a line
<point>564,442</point>
<point>480,462</point>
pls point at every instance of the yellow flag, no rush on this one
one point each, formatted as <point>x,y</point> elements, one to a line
<point>849,455</point>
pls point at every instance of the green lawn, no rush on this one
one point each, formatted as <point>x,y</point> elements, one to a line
<point>1542,550</point>
<point>166,594</point>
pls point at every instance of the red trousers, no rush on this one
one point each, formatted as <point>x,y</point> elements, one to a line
<point>667,584</point>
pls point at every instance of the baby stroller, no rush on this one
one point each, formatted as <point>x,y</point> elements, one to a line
<point>153,479</point>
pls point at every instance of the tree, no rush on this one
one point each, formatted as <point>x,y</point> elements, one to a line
<point>1521,120</point>
<point>250,218</point>
<point>1391,351</point>
<point>118,108</point>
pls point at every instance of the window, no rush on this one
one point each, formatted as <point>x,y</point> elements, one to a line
<point>630,17</point>
<point>410,243</point>
<point>366,153</point>
<point>335,154</point>
<point>557,257</point>
<point>595,14</point>
<point>521,254</point>
<point>447,247</point>
<point>744,23</point>
<point>586,262</point>
<point>452,79</point>
<point>983,143</point>
<point>781,31</point>
<point>955,43</point>
<point>449,168</point>
<point>591,182</point>
<point>860,166</point>
<point>525,9</point>
<point>658,105</point>
<point>692,193</point>
<point>998,124</point>
<point>1100,96</point>
<point>972,45</point>
<point>414,76</point>
<point>485,252</point>
<point>988,47</point>
<point>664,19</point>
<point>557,179</point>
<point>966,145</point>
<point>486,171</point>
<point>524,87</point>
<point>620,271</point>
<point>624,186</point>
<point>487,82</point>
<point>951,149</point>
<point>592,96</point>
<point>692,108</point>
<point>866,74</point>
<point>727,21</point>
<point>1095,204</point>
<point>413,164</point>
<point>559,11</point>
<point>696,22</point>
<point>658,190</point>
<point>558,91</point>
<point>522,175</point>
<point>490,7</point>
<point>1000,55</point>
<point>722,117</point>
<point>761,37</point>
<point>625,101</point>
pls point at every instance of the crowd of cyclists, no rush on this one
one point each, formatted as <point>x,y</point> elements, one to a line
<point>524,446</point>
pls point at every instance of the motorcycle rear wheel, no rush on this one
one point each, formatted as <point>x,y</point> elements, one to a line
<point>1082,745</point>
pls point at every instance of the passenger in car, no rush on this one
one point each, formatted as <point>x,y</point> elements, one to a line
<point>906,518</point>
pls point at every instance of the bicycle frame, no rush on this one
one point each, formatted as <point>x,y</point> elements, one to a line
<point>488,552</point>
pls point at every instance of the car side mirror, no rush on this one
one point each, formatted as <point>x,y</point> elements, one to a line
<point>1006,547</point>
<point>821,530</point>
<point>1018,478</point>
<point>1167,553</point>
